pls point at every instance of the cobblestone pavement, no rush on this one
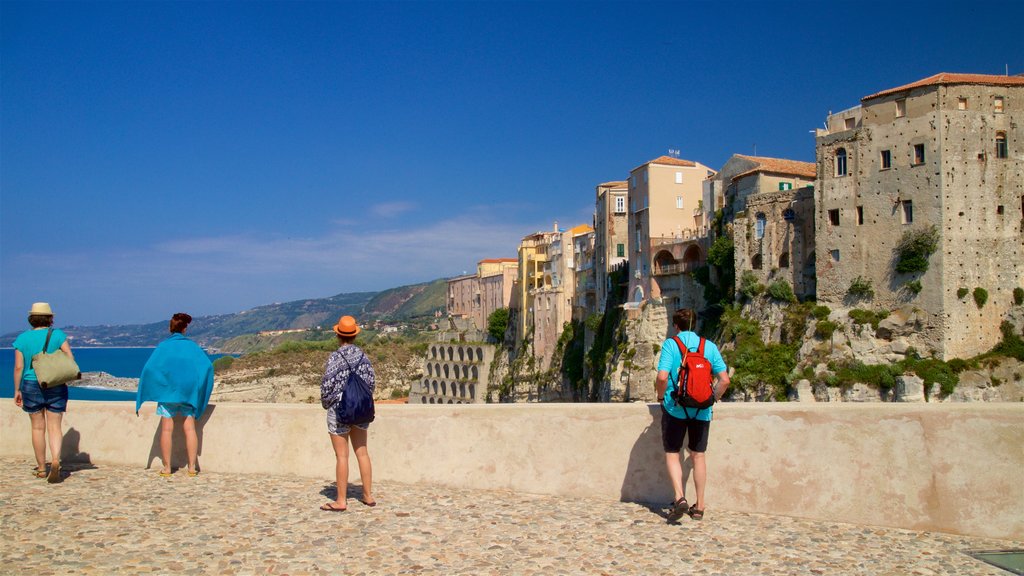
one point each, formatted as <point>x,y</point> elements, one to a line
<point>106,519</point>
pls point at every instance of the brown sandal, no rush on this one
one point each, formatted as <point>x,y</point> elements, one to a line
<point>679,509</point>
<point>39,473</point>
<point>694,513</point>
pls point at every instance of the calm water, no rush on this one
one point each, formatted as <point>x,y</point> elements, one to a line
<point>122,362</point>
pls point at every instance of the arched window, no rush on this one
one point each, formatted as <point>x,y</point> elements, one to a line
<point>784,260</point>
<point>1001,149</point>
<point>841,162</point>
<point>759,226</point>
<point>755,262</point>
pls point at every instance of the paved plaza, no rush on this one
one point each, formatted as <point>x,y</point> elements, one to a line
<point>107,519</point>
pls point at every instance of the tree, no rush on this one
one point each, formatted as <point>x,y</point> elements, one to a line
<point>497,323</point>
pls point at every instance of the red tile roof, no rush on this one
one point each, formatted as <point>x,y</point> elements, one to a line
<point>949,78</point>
<point>613,184</point>
<point>497,260</point>
<point>668,160</point>
<point>779,166</point>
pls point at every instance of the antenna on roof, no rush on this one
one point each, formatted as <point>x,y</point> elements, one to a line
<point>673,152</point>
<point>755,148</point>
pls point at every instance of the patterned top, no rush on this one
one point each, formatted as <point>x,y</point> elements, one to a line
<point>336,373</point>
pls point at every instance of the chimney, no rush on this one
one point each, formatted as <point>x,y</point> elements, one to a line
<point>556,226</point>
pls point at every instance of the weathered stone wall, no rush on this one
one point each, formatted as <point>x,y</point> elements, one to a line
<point>454,373</point>
<point>786,250</point>
<point>958,187</point>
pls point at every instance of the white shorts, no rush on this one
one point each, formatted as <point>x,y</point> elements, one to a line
<point>337,429</point>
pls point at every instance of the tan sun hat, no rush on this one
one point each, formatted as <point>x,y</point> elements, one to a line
<point>346,327</point>
<point>40,309</point>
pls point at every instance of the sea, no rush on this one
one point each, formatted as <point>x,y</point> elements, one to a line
<point>121,362</point>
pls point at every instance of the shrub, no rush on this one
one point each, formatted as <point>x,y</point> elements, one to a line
<point>861,288</point>
<point>781,290</point>
<point>749,286</point>
<point>914,249</point>
<point>855,372</point>
<point>721,252</point>
<point>861,316</point>
<point>961,292</point>
<point>497,323</point>
<point>913,286</point>
<point>1018,296</point>
<point>1012,344</point>
<point>223,363</point>
<point>593,322</point>
<point>824,329</point>
<point>821,312</point>
<point>934,371</point>
<point>980,297</point>
<point>958,365</point>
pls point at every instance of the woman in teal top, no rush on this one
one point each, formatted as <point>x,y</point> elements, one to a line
<point>45,406</point>
<point>179,378</point>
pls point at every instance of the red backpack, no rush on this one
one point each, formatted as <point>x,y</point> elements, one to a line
<point>694,386</point>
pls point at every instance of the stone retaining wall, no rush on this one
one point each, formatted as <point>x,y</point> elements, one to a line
<point>951,468</point>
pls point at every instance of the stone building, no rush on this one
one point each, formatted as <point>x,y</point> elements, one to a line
<point>532,276</point>
<point>946,151</point>
<point>475,296</point>
<point>611,236</point>
<point>774,232</point>
<point>585,283</point>
<point>744,175</point>
<point>454,373</point>
<point>665,207</point>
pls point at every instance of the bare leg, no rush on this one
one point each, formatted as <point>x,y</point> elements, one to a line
<point>363,457</point>
<point>191,442</point>
<point>53,430</point>
<point>700,474</point>
<point>39,438</point>
<point>340,444</point>
<point>675,474</point>
<point>166,430</point>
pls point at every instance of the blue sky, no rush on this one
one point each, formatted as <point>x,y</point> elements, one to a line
<point>211,157</point>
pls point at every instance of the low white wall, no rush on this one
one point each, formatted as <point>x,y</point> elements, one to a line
<point>952,468</point>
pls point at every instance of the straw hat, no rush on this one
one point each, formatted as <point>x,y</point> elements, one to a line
<point>40,309</point>
<point>346,327</point>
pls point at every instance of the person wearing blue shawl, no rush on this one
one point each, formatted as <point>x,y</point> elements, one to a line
<point>179,377</point>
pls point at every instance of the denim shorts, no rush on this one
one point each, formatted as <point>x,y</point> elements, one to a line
<point>34,398</point>
<point>338,429</point>
<point>172,409</point>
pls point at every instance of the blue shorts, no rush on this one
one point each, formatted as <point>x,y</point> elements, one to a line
<point>34,398</point>
<point>172,409</point>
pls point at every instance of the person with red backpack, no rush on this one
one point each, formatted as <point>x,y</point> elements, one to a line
<point>691,376</point>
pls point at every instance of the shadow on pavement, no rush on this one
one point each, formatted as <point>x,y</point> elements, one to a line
<point>179,455</point>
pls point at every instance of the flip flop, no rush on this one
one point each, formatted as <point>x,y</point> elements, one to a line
<point>165,474</point>
<point>329,507</point>
<point>40,473</point>
<point>679,509</point>
<point>370,504</point>
<point>193,473</point>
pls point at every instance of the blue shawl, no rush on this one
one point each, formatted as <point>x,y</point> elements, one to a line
<point>179,371</point>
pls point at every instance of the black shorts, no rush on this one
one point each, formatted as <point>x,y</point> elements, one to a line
<point>673,429</point>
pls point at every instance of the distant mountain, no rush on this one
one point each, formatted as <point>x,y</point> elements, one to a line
<point>401,304</point>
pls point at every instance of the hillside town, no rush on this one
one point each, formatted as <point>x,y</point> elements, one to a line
<point>912,212</point>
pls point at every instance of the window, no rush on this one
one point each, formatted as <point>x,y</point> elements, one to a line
<point>833,217</point>
<point>620,204</point>
<point>841,162</point>
<point>961,104</point>
<point>835,255</point>
<point>997,105</point>
<point>645,175</point>
<point>1001,150</point>
<point>918,154</point>
<point>901,107</point>
<point>886,160</point>
<point>785,185</point>
<point>907,211</point>
<point>755,262</point>
<point>679,177</point>
<point>620,250</point>
<point>860,215</point>
<point>849,123</point>
<point>638,240</point>
<point>679,201</point>
<point>759,225</point>
<point>784,260</point>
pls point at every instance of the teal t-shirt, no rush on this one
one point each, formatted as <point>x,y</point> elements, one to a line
<point>30,343</point>
<point>670,360</point>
